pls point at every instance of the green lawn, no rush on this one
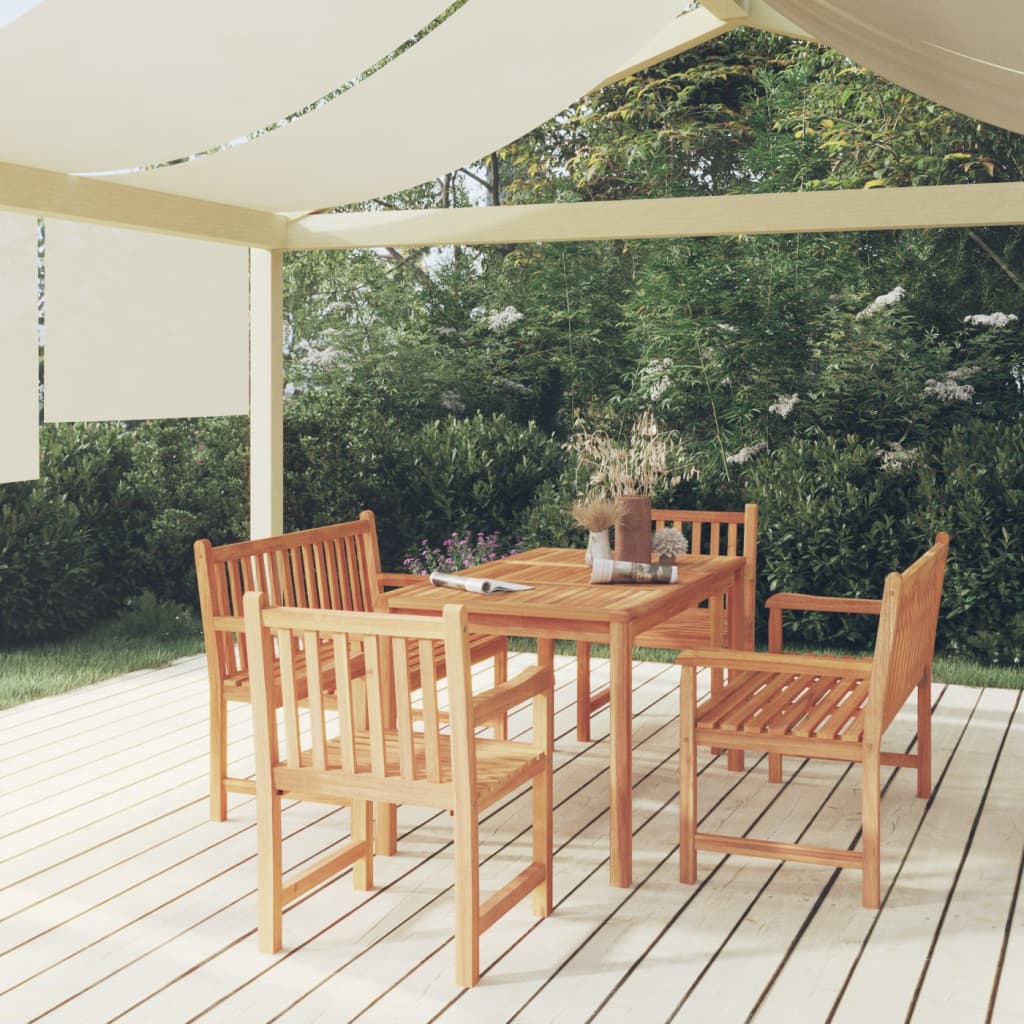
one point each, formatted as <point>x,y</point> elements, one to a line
<point>147,635</point>
<point>151,634</point>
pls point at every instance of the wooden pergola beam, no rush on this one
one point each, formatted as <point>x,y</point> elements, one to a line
<point>69,197</point>
<point>877,209</point>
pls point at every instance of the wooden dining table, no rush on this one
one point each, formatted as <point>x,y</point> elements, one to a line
<point>563,604</point>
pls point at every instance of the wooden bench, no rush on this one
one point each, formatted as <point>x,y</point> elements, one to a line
<point>333,567</point>
<point>708,533</point>
<point>809,705</point>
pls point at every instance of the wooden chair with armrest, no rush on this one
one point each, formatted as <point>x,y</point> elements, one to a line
<point>817,706</point>
<point>373,761</point>
<point>331,567</point>
<point>784,601</point>
<point>709,533</point>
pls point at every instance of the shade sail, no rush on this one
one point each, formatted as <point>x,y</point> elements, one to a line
<point>19,350</point>
<point>142,326</point>
<point>110,84</point>
<point>966,56</point>
<point>485,77</point>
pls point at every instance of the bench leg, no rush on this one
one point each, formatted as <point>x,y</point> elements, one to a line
<point>924,738</point>
<point>871,841</point>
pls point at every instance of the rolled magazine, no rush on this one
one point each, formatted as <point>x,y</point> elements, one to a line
<point>474,584</point>
<point>605,570</point>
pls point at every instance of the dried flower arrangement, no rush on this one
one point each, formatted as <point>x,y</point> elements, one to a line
<point>595,513</point>
<point>651,459</point>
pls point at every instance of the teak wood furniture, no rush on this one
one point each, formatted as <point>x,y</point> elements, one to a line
<point>333,567</point>
<point>708,533</point>
<point>385,759</point>
<point>811,706</point>
<point>565,605</point>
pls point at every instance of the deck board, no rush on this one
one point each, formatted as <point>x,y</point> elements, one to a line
<point>119,900</point>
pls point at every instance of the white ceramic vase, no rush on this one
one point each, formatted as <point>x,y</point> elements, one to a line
<point>598,546</point>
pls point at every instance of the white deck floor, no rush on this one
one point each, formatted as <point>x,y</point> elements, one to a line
<point>119,900</point>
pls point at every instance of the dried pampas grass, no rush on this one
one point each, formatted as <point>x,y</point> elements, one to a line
<point>594,513</point>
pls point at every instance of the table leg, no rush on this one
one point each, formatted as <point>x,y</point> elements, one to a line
<point>620,808</point>
<point>737,639</point>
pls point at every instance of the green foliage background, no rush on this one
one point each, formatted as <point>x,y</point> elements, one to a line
<point>438,387</point>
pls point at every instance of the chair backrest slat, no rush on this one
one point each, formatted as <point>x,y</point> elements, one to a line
<point>374,655</point>
<point>400,658</point>
<point>431,719</point>
<point>290,696</point>
<point>314,651</point>
<point>345,702</point>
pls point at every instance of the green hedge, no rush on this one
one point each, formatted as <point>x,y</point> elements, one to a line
<point>833,521</point>
<point>117,510</point>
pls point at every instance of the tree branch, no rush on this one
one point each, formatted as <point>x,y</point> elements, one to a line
<point>995,257</point>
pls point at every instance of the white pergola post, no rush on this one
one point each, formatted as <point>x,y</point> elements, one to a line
<point>266,393</point>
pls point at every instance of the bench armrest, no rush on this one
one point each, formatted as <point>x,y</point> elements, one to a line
<point>759,661</point>
<point>520,688</point>
<point>814,603</point>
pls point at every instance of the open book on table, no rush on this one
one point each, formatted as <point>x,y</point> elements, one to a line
<point>474,584</point>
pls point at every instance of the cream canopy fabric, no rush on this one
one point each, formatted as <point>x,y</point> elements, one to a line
<point>142,326</point>
<point>489,74</point>
<point>966,56</point>
<point>100,85</point>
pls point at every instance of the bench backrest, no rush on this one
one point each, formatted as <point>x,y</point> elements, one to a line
<point>332,567</point>
<point>905,644</point>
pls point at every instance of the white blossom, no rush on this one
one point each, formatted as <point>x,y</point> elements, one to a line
<point>503,319</point>
<point>320,358</point>
<point>477,313</point>
<point>948,390</point>
<point>784,405</point>
<point>990,319</point>
<point>962,371</point>
<point>896,458</point>
<point>656,377</point>
<point>446,332</point>
<point>881,302</point>
<point>746,453</point>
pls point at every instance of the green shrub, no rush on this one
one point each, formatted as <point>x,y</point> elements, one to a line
<point>830,521</point>
<point>191,477</point>
<point>548,522</point>
<point>48,566</point>
<point>833,521</point>
<point>973,488</point>
<point>476,474</point>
